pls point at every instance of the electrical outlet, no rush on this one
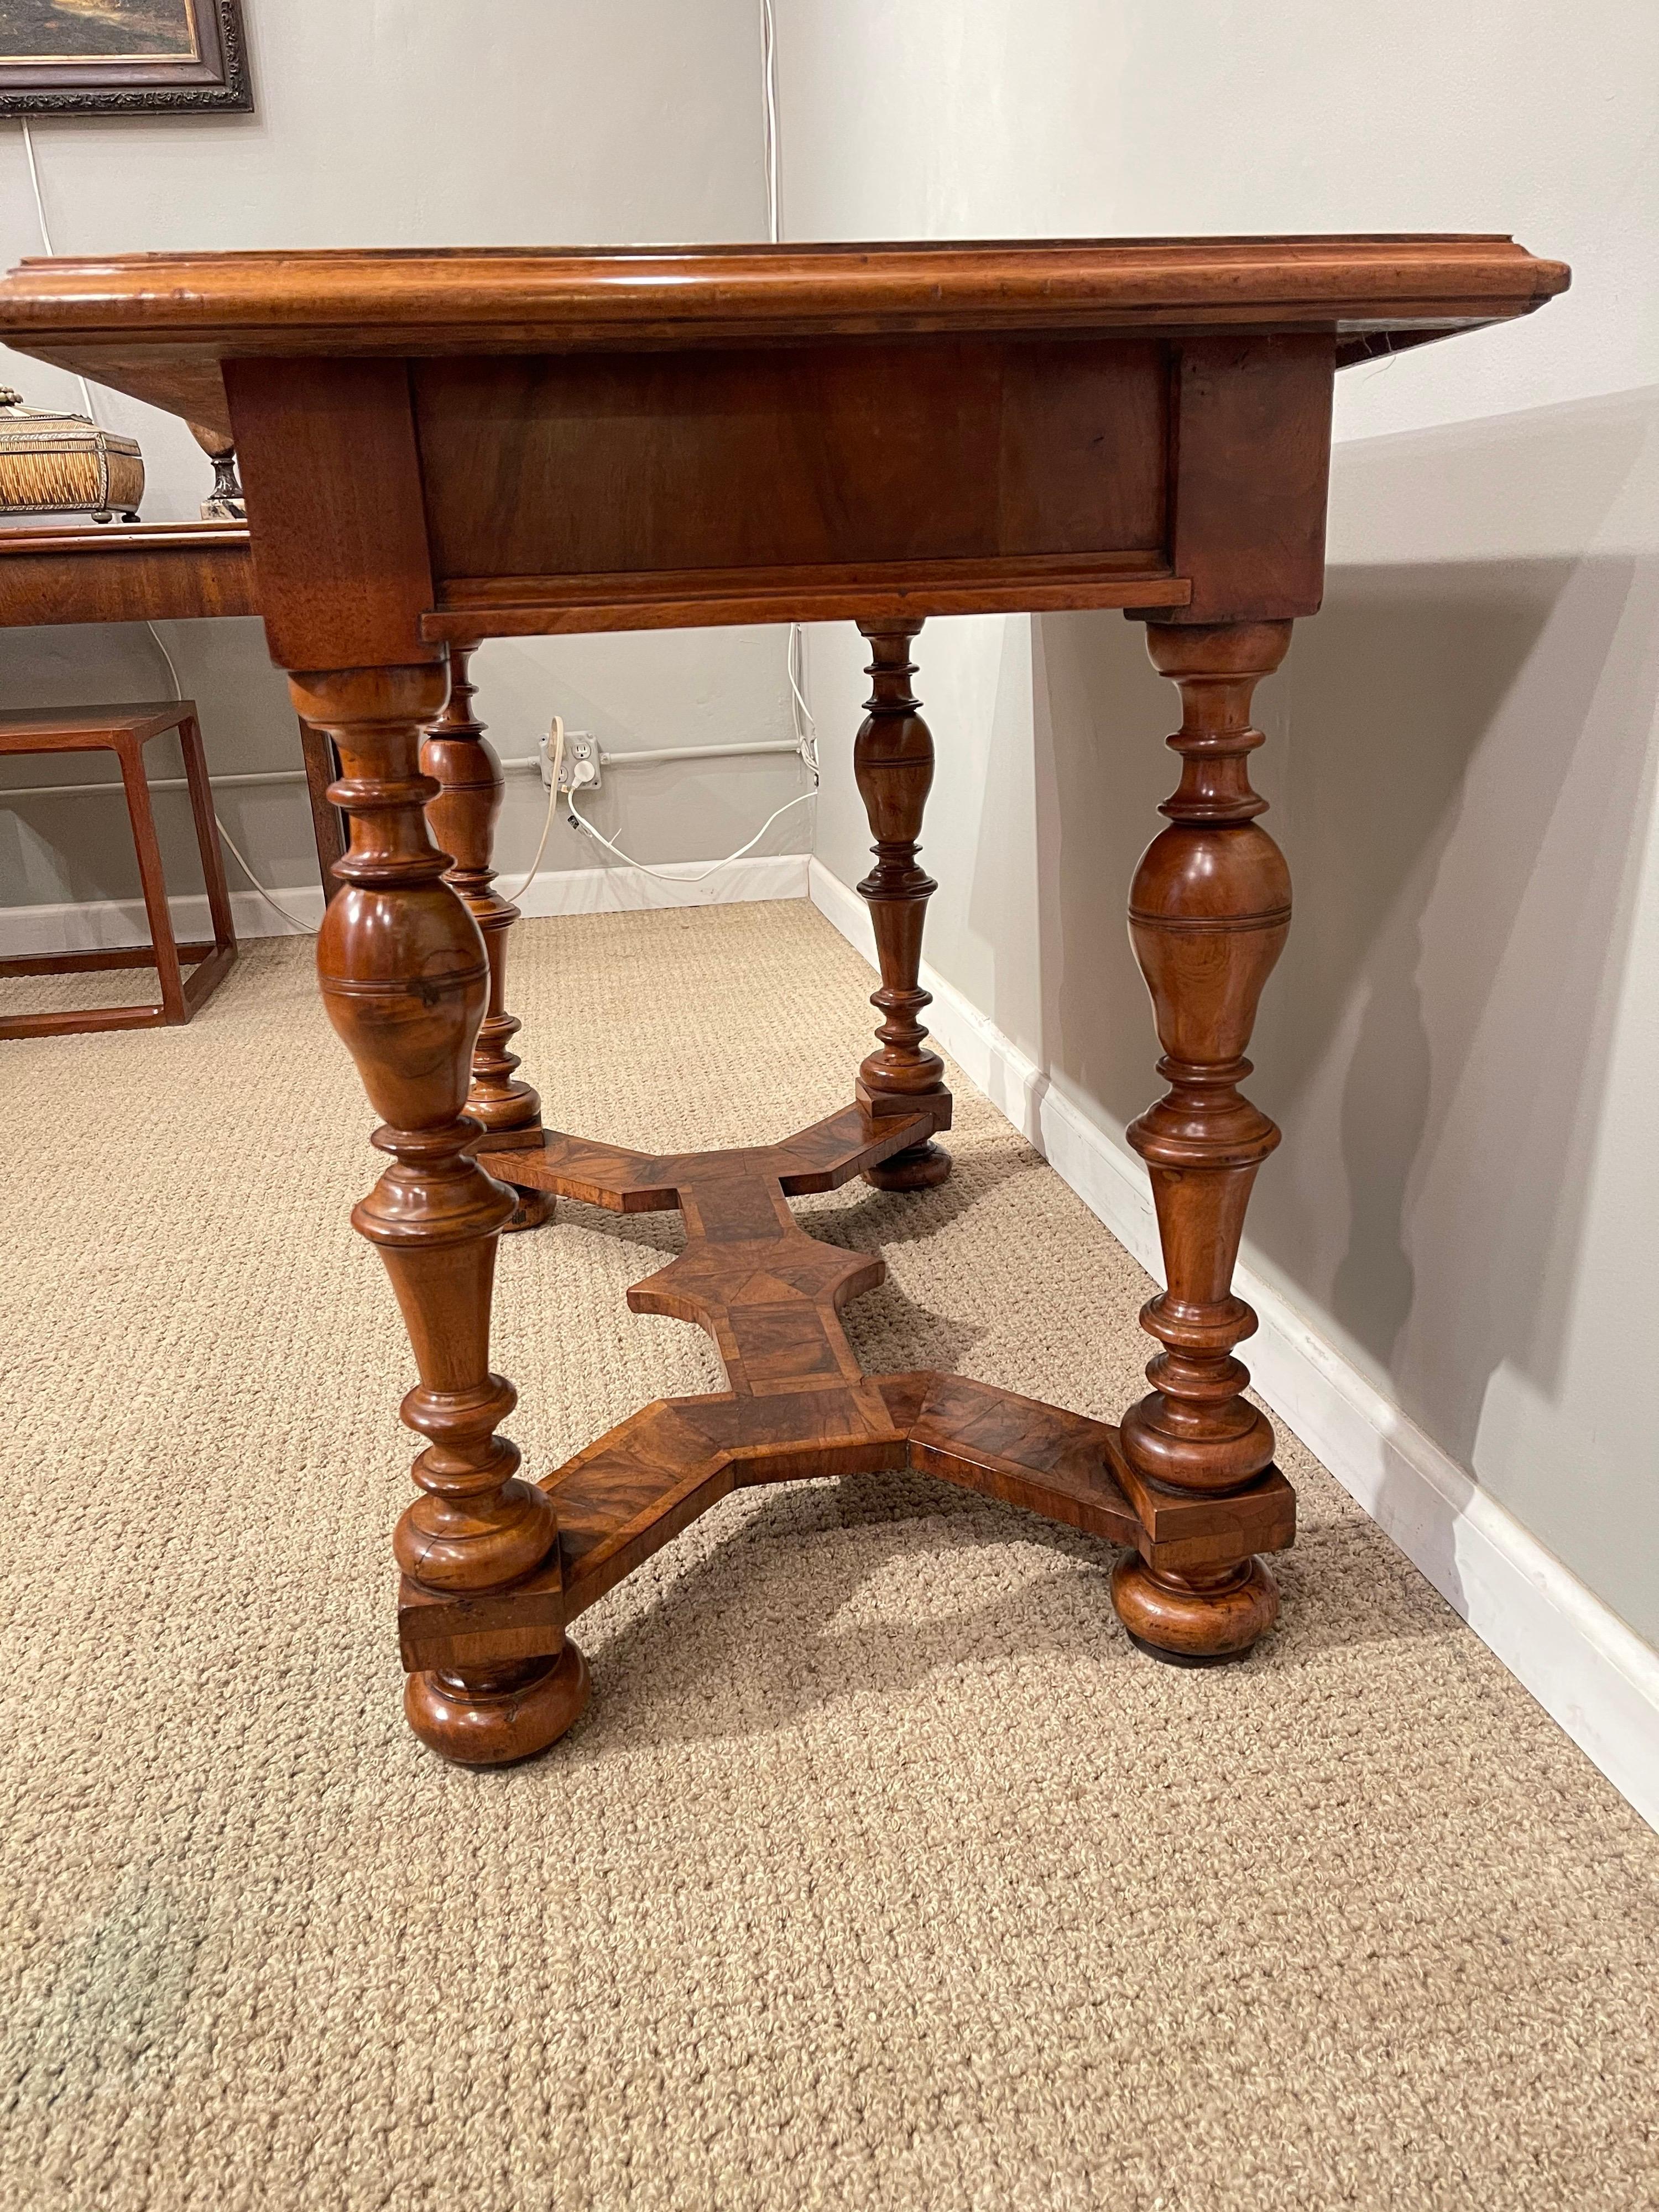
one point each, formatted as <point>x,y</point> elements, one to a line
<point>579,768</point>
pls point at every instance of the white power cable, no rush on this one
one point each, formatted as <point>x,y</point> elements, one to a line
<point>305,928</point>
<point>581,822</point>
<point>769,98</point>
<point>801,713</point>
<point>46,236</point>
<point>276,905</point>
<point>557,733</point>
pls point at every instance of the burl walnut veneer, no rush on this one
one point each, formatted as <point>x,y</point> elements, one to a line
<point>442,448</point>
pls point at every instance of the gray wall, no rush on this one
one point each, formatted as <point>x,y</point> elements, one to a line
<point>524,122</point>
<point>1461,1040</point>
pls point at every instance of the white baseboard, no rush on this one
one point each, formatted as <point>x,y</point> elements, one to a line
<point>1593,1674</point>
<point>95,924</point>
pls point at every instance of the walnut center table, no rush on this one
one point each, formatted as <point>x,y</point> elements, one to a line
<point>441,448</point>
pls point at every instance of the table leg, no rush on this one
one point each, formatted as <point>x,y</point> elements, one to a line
<point>327,828</point>
<point>152,877</point>
<point>207,835</point>
<point>1208,915</point>
<point>462,817</point>
<point>893,760</point>
<point>406,982</point>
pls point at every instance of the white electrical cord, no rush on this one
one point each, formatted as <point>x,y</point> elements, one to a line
<point>557,735</point>
<point>801,713</point>
<point>305,928</point>
<point>276,905</point>
<point>581,822</point>
<point>46,235</point>
<point>769,98</point>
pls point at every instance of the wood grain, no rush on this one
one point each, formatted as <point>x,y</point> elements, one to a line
<point>769,1296</point>
<point>532,606</point>
<point>1209,912</point>
<point>157,326</point>
<point>405,980</point>
<point>893,766</point>
<point>333,483</point>
<point>1249,470</point>
<point>632,462</point>
<point>125,731</point>
<point>461,815</point>
<point>125,572</point>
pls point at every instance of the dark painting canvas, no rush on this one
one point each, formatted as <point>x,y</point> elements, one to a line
<point>96,30</point>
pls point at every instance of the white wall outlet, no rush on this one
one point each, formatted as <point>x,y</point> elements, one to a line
<point>579,768</point>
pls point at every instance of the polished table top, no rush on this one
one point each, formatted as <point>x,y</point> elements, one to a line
<point>596,440</point>
<point>186,311</point>
<point>89,571</point>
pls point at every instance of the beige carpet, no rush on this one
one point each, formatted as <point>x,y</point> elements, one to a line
<point>881,1871</point>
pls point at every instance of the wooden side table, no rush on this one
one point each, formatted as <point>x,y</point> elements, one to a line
<point>125,731</point>
<point>154,572</point>
<point>441,448</point>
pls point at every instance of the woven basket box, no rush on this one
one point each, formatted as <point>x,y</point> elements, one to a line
<point>56,464</point>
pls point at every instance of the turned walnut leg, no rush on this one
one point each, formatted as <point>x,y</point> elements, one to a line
<point>462,818</point>
<point>326,828</point>
<point>1208,915</point>
<point>893,760</point>
<point>406,982</point>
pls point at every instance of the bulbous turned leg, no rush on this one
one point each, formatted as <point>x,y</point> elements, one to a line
<point>893,760</point>
<point>1196,1619</point>
<point>462,816</point>
<point>406,981</point>
<point>1208,916</point>
<point>497,1717</point>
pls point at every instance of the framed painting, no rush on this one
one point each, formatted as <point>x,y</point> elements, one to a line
<point>121,56</point>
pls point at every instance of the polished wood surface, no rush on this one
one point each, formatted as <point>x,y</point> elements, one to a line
<point>462,817</point>
<point>893,765</point>
<point>1248,467</point>
<point>614,439</point>
<point>405,979</point>
<point>151,571</point>
<point>158,325</point>
<point>332,474</point>
<point>769,1296</point>
<point>442,448</point>
<point>125,731</point>
<point>1209,912</point>
<point>531,606</point>
<point>125,572</point>
<point>1019,425</point>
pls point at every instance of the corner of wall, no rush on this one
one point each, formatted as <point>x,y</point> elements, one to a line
<point>1594,1677</point>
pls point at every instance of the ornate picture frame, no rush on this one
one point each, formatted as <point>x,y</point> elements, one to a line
<point>122,57</point>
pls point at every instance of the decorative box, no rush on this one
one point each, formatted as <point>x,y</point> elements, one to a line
<point>51,463</point>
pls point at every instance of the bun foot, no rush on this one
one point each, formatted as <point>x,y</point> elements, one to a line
<point>496,1716</point>
<point>1196,1621</point>
<point>924,1167</point>
<point>534,1207</point>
